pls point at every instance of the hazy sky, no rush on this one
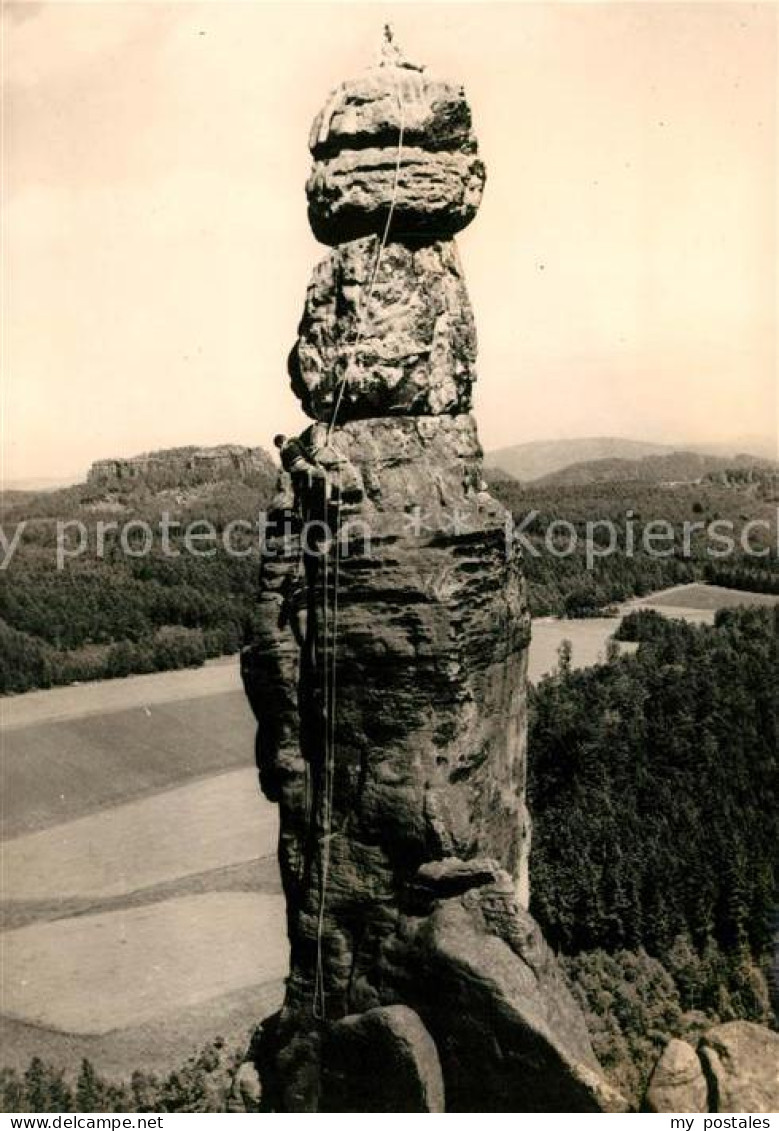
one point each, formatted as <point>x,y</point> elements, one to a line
<point>622,266</point>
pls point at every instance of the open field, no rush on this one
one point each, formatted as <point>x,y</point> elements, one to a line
<point>97,973</point>
<point>705,597</point>
<point>207,824</point>
<point>589,637</point>
<point>696,602</point>
<point>156,1046</point>
<point>109,695</point>
<point>58,770</point>
<point>589,641</point>
<point>261,875</point>
<point>141,896</point>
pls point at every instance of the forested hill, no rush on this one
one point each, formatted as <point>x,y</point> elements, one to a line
<point>653,788</point>
<point>562,584</point>
<point>671,467</point>
<point>535,459</point>
<point>108,613</point>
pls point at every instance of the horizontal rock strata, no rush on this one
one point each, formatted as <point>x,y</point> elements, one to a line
<point>365,113</point>
<point>435,195</point>
<point>394,139</point>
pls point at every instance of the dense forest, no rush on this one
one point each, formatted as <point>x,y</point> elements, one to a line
<point>563,584</point>
<point>108,613</point>
<point>202,1084</point>
<point>653,789</point>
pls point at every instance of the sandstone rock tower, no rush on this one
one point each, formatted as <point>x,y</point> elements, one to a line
<point>388,677</point>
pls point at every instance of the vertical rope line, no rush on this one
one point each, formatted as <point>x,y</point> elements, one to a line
<point>329,647</point>
<point>361,323</point>
<point>326,790</point>
<point>306,811</point>
<point>333,650</point>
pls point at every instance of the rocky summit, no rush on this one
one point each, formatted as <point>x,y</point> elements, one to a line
<point>394,139</point>
<point>388,676</point>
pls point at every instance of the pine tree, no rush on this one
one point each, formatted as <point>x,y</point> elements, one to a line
<point>90,1089</point>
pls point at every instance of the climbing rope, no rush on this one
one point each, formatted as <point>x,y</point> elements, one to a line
<point>319,978</point>
<point>365,306</point>
<point>330,629</point>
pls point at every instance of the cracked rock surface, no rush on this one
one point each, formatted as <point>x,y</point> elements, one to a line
<point>401,340</point>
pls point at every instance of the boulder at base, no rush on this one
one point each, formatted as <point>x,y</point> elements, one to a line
<point>381,1060</point>
<point>475,966</point>
<point>677,1083</point>
<point>741,1061</point>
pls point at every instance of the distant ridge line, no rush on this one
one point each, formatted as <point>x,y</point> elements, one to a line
<point>537,459</point>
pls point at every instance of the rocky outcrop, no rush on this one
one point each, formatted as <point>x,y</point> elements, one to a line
<point>381,1060</point>
<point>367,113</point>
<point>735,1069</point>
<point>429,717</point>
<point>389,673</point>
<point>741,1061</point>
<point>350,194</point>
<point>181,467</point>
<point>394,138</point>
<point>487,1024</point>
<point>402,343</point>
<point>474,964</point>
<point>677,1082</point>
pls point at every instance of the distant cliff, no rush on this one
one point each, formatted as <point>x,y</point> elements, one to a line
<point>178,467</point>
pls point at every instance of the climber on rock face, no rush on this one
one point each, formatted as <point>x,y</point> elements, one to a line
<point>303,469</point>
<point>294,457</point>
<point>293,608</point>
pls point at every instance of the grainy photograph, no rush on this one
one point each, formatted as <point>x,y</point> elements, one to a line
<point>389,567</point>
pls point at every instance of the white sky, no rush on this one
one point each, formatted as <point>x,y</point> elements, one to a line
<point>622,266</point>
